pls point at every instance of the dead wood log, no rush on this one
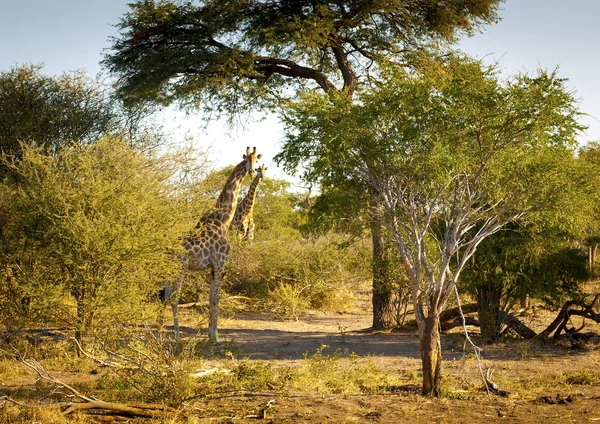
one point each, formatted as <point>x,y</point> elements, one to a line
<point>453,313</point>
<point>493,387</point>
<point>92,403</point>
<point>5,400</point>
<point>560,322</point>
<point>518,327</point>
<point>204,303</point>
<point>458,322</point>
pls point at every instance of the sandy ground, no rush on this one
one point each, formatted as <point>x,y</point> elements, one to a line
<point>258,337</point>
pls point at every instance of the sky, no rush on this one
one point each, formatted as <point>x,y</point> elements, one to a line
<point>68,35</point>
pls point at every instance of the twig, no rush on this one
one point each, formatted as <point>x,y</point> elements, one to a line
<point>100,361</point>
<point>209,371</point>
<point>7,399</point>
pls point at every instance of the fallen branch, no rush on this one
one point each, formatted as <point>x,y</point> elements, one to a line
<point>493,387</point>
<point>4,400</point>
<point>204,373</point>
<point>518,327</point>
<point>457,312</point>
<point>91,403</point>
<point>560,322</point>
<point>100,361</point>
<point>454,315</point>
<point>458,322</point>
<point>204,303</point>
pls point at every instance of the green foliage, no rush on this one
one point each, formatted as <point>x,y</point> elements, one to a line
<point>93,223</point>
<point>536,257</point>
<point>55,112</point>
<point>150,365</point>
<point>340,373</point>
<point>240,55</point>
<point>52,111</point>
<point>452,129</point>
<point>289,301</point>
<point>290,265</point>
<point>297,272</point>
<point>448,154</point>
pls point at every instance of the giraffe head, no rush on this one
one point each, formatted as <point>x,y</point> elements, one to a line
<point>250,159</point>
<point>260,171</point>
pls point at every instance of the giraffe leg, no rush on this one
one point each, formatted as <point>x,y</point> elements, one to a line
<point>250,231</point>
<point>176,291</point>
<point>164,296</point>
<point>213,305</point>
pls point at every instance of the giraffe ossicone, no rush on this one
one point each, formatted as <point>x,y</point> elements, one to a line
<point>210,247</point>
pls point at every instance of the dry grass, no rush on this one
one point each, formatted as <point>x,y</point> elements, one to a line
<point>548,382</point>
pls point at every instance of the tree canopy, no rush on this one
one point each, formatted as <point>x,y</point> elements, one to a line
<point>242,55</point>
<point>52,111</point>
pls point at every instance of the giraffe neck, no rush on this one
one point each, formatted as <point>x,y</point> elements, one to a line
<point>227,201</point>
<point>248,203</point>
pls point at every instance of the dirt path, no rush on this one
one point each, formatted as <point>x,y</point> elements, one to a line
<point>258,338</point>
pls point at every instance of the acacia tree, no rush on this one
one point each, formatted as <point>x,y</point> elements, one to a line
<point>57,111</point>
<point>452,155</point>
<point>231,57</point>
<point>537,256</point>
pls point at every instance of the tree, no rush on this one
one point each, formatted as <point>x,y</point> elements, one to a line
<point>537,256</point>
<point>58,111</point>
<point>590,157</point>
<point>525,259</point>
<point>340,208</point>
<point>235,57</point>
<point>52,111</point>
<point>453,155</point>
<point>94,222</point>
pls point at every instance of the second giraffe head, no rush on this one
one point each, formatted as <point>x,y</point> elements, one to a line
<point>250,159</point>
<point>260,171</point>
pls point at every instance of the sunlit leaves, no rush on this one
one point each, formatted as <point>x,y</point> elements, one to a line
<point>231,56</point>
<point>96,222</point>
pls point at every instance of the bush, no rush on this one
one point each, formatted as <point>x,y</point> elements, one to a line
<point>85,234</point>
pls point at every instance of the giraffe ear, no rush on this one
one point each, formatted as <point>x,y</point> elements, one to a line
<point>259,156</point>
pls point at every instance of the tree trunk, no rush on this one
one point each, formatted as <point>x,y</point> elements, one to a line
<point>80,324</point>
<point>488,303</point>
<point>524,301</point>
<point>590,259</point>
<point>431,354</point>
<point>383,300</point>
<point>594,253</point>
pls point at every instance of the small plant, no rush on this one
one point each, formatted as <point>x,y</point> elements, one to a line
<point>342,330</point>
<point>582,377</point>
<point>289,300</point>
<point>524,348</point>
<point>339,373</point>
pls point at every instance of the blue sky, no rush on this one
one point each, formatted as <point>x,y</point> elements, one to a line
<point>72,34</point>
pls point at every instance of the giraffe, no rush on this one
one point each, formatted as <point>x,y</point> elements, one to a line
<point>242,219</point>
<point>210,247</point>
